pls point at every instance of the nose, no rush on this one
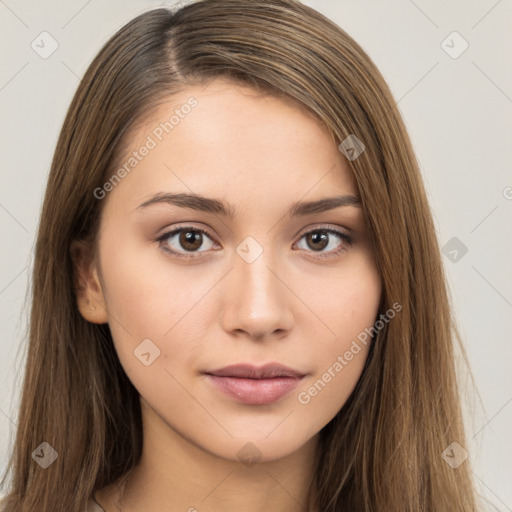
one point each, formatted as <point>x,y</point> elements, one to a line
<point>257,301</point>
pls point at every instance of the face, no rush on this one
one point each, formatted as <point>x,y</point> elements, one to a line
<point>253,276</point>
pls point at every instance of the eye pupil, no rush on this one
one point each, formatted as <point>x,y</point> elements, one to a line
<point>188,238</point>
<point>316,237</point>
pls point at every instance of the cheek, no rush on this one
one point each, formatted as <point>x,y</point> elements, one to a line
<point>144,291</point>
<point>340,358</point>
<point>149,299</point>
<point>348,301</point>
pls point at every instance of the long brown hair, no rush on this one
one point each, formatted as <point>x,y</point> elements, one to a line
<point>383,450</point>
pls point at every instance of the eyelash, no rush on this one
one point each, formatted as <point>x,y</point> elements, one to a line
<point>165,236</point>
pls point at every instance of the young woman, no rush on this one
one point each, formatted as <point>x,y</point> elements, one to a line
<point>238,296</point>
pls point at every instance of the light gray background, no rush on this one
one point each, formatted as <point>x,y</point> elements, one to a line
<point>457,111</point>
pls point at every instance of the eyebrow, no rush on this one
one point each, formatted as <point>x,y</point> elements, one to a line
<point>209,205</point>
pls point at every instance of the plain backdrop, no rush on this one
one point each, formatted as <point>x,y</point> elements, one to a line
<point>457,106</point>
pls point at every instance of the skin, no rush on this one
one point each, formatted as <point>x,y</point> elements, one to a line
<point>259,153</point>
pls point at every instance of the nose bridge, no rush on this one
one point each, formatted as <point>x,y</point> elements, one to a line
<point>257,300</point>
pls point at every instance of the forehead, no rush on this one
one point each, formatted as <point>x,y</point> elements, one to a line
<point>222,137</point>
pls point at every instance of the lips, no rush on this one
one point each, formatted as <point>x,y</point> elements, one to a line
<point>253,385</point>
<point>247,371</point>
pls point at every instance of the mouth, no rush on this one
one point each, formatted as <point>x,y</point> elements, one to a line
<point>253,385</point>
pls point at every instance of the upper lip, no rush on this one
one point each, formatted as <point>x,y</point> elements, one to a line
<point>249,371</point>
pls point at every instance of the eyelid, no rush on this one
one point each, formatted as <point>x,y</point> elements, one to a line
<point>325,227</point>
<point>167,232</point>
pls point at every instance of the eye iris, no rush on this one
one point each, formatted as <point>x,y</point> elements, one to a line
<point>188,238</point>
<point>317,236</point>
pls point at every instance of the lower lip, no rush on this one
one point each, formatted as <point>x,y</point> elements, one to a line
<point>254,391</point>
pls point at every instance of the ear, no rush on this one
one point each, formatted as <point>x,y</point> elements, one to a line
<point>89,294</point>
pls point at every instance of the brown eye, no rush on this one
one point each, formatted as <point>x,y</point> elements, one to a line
<point>317,240</point>
<point>186,239</point>
<point>190,240</point>
<point>320,239</point>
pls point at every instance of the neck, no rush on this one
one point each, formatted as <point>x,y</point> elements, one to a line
<point>178,475</point>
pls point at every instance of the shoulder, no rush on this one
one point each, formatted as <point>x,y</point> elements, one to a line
<point>92,506</point>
